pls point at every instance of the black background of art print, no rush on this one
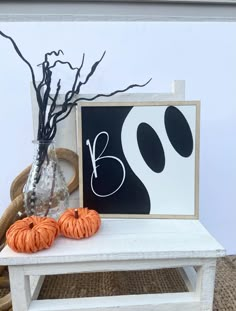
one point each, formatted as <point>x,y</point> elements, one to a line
<point>132,197</point>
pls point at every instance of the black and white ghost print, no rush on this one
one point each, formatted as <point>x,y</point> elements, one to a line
<point>139,159</point>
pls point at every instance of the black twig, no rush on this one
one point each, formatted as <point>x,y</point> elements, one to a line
<point>93,69</point>
<point>63,63</point>
<point>112,93</point>
<point>21,56</point>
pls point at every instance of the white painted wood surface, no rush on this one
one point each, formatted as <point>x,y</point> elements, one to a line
<point>36,282</point>
<point>189,276</point>
<point>110,265</point>
<point>121,245</point>
<point>125,240</point>
<point>20,288</point>
<point>168,10</point>
<point>205,284</point>
<point>151,302</point>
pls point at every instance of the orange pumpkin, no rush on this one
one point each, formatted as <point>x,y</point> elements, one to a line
<point>79,223</point>
<point>32,234</point>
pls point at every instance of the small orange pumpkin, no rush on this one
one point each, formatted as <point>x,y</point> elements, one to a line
<point>79,223</point>
<point>32,234</point>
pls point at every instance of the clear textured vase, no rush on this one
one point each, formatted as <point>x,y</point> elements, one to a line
<point>45,192</point>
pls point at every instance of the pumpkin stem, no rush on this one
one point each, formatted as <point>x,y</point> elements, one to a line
<point>76,214</point>
<point>31,225</point>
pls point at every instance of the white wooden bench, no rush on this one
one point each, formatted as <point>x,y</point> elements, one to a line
<point>122,245</point>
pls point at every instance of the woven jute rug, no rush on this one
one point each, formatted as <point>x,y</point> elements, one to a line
<point>139,282</point>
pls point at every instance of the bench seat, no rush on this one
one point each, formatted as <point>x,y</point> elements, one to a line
<point>122,245</point>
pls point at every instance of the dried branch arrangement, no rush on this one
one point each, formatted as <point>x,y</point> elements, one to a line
<point>48,120</point>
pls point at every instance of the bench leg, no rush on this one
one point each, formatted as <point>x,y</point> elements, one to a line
<point>36,282</point>
<point>20,288</point>
<point>189,276</point>
<point>205,284</point>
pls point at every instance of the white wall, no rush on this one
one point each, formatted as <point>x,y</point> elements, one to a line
<point>202,54</point>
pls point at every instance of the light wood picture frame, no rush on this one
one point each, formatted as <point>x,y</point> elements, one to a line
<point>140,160</point>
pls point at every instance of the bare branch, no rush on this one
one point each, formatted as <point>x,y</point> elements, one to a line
<point>44,72</point>
<point>63,63</point>
<point>48,80</point>
<point>52,133</point>
<point>82,63</point>
<point>52,107</point>
<point>112,93</point>
<point>93,69</point>
<point>48,121</point>
<point>54,100</point>
<point>53,53</point>
<point>21,56</point>
<point>66,115</point>
<point>69,95</point>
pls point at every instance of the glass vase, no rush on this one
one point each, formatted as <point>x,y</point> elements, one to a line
<point>45,192</point>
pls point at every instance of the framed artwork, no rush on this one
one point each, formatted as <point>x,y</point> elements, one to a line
<point>139,159</point>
